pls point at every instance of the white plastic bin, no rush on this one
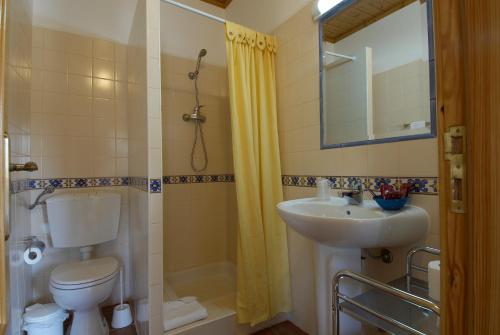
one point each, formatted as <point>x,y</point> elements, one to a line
<point>44,319</point>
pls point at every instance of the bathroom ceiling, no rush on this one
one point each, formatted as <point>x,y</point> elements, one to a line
<point>359,15</point>
<point>112,20</point>
<point>218,3</point>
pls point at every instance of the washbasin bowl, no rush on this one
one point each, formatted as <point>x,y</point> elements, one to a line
<point>336,223</point>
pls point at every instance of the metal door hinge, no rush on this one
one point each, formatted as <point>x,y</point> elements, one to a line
<point>454,151</point>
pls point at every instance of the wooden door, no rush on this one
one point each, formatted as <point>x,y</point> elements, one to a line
<point>468,84</point>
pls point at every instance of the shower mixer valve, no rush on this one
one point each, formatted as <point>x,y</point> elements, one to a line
<point>195,116</point>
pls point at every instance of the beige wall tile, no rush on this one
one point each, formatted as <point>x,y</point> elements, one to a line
<point>56,61</point>
<point>80,125</point>
<point>419,158</point>
<point>55,40</point>
<point>104,126</point>
<point>120,53</point>
<point>80,105</point>
<point>81,45</point>
<point>104,69</point>
<point>80,65</point>
<point>102,107</point>
<point>73,101</point>
<point>80,85</point>
<point>103,88</point>
<point>121,71</point>
<point>37,37</point>
<point>104,50</point>
<point>54,103</point>
<point>55,82</point>
<point>36,79</point>
<point>54,124</point>
<point>384,159</point>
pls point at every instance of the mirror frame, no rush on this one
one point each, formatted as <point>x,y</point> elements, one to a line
<point>432,84</point>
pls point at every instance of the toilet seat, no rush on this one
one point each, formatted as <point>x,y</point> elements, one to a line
<point>79,275</point>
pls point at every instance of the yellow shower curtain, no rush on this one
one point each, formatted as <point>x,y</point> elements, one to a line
<point>262,262</point>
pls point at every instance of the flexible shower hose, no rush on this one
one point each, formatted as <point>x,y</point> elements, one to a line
<point>198,128</point>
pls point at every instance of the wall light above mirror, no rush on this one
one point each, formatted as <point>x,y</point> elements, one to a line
<point>377,71</point>
<point>321,7</point>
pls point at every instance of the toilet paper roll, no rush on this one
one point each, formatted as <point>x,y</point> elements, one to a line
<point>34,253</point>
<point>434,268</point>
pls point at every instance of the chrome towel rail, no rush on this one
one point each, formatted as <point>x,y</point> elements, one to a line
<point>410,266</point>
<point>400,294</point>
<point>362,308</point>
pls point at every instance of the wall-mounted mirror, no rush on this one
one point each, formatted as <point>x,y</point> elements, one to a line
<point>377,72</point>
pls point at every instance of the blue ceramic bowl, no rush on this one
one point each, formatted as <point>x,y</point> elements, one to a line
<point>391,204</point>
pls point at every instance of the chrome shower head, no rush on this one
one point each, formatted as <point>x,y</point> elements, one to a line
<point>194,75</point>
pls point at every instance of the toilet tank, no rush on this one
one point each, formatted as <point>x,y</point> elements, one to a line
<point>79,219</point>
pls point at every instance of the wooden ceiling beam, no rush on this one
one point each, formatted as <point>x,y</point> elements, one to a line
<point>218,3</point>
<point>360,15</point>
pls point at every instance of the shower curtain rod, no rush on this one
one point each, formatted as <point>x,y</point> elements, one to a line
<point>339,55</point>
<point>194,10</point>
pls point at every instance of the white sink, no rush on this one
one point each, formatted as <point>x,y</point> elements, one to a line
<point>338,224</point>
<point>340,231</point>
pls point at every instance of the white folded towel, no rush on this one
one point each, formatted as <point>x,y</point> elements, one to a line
<point>182,312</point>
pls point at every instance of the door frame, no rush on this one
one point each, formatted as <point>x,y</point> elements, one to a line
<point>3,252</point>
<point>468,94</point>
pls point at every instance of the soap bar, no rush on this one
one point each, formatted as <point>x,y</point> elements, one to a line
<point>434,279</point>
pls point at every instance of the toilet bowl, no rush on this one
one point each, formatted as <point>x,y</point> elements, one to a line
<point>83,220</point>
<point>81,287</point>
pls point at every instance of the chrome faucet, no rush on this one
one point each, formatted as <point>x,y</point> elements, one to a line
<point>355,195</point>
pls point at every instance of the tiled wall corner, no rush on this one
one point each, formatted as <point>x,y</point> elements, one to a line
<point>155,225</point>
<point>137,102</point>
<point>18,83</point>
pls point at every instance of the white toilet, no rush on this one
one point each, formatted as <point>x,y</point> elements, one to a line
<point>84,219</point>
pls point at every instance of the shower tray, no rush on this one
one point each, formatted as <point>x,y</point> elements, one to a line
<point>400,307</point>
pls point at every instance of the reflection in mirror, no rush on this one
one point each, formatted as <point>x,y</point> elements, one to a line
<point>376,65</point>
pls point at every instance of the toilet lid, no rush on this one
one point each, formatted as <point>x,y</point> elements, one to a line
<point>84,272</point>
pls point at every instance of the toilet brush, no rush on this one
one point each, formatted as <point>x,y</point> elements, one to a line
<point>122,317</point>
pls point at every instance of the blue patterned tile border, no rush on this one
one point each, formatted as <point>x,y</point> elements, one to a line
<point>18,186</point>
<point>35,184</point>
<point>196,179</point>
<point>140,183</point>
<point>155,185</point>
<point>423,185</point>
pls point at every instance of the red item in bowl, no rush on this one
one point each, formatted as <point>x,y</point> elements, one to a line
<point>388,192</point>
<point>405,189</point>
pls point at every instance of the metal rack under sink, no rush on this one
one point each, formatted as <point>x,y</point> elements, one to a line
<point>400,307</point>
